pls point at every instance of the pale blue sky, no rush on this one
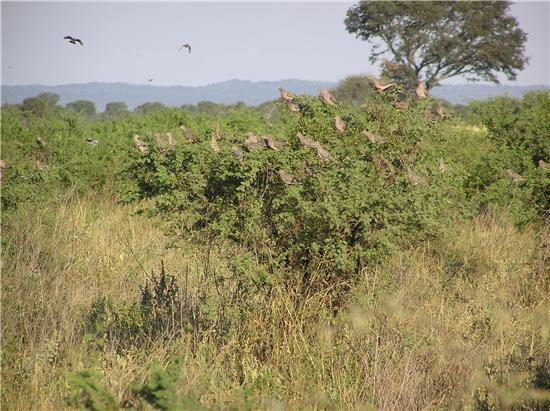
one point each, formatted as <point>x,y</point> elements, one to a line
<point>131,42</point>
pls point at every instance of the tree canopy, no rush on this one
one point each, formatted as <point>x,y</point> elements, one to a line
<point>433,41</point>
<point>82,106</point>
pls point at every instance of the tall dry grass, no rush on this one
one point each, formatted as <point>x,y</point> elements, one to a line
<point>458,325</point>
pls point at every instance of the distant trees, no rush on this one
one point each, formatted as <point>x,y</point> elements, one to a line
<point>41,105</point>
<point>116,108</point>
<point>353,90</point>
<point>86,107</point>
<point>433,41</point>
<point>149,108</point>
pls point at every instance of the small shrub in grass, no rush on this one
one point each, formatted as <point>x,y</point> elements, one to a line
<point>89,393</point>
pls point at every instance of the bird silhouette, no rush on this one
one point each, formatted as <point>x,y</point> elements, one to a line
<point>326,97</point>
<point>286,95</point>
<point>238,154</point>
<point>339,124</point>
<point>140,145</point>
<point>253,142</point>
<point>90,141</point>
<point>379,86</point>
<point>421,90</point>
<point>187,46</point>
<point>287,178</point>
<point>72,40</point>
<point>390,65</point>
<point>272,143</point>
<point>514,176</point>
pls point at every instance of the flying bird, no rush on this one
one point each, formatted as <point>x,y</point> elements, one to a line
<point>287,178</point>
<point>514,176</point>
<point>187,46</point>
<point>326,97</point>
<point>379,86</point>
<point>421,90</point>
<point>339,124</point>
<point>72,40</point>
<point>286,95</point>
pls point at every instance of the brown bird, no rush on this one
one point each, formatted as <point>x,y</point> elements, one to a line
<point>287,178</point>
<point>306,141</point>
<point>40,142</point>
<point>238,154</point>
<point>253,142</point>
<point>421,90</point>
<point>188,135</point>
<point>171,139</point>
<point>390,65</point>
<point>415,179</point>
<point>140,145</point>
<point>272,143</point>
<point>2,164</point>
<point>218,134</point>
<point>158,139</point>
<point>401,104</point>
<point>286,95</point>
<point>544,165</point>
<point>373,138</point>
<point>514,176</point>
<point>41,166</point>
<point>442,166</point>
<point>440,110</point>
<point>293,107</point>
<point>214,144</point>
<point>339,124</point>
<point>323,154</point>
<point>327,98</point>
<point>379,86</point>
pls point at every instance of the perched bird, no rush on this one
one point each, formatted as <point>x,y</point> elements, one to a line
<point>544,165</point>
<point>140,145</point>
<point>158,139</point>
<point>339,124</point>
<point>41,166</point>
<point>379,86</point>
<point>92,142</point>
<point>401,104</point>
<point>293,107</point>
<point>72,40</point>
<point>514,176</point>
<point>218,134</point>
<point>188,135</point>
<point>253,142</point>
<point>390,65</point>
<point>171,139</point>
<point>187,46</point>
<point>214,144</point>
<point>326,97</point>
<point>287,178</point>
<point>286,95</point>
<point>272,143</point>
<point>442,166</point>
<point>323,154</point>
<point>306,141</point>
<point>440,110</point>
<point>40,142</point>
<point>373,138</point>
<point>415,179</point>
<point>238,154</point>
<point>421,90</point>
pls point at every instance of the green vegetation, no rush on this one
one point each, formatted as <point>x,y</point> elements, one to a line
<point>436,40</point>
<point>408,270</point>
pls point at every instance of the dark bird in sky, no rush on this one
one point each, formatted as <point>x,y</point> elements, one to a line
<point>149,80</point>
<point>186,46</point>
<point>72,40</point>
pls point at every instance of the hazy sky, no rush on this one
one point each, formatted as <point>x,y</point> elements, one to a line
<point>133,41</point>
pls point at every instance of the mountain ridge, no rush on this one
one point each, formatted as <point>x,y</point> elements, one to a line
<point>227,92</point>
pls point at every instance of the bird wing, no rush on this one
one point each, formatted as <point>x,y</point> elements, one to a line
<point>68,38</point>
<point>79,41</point>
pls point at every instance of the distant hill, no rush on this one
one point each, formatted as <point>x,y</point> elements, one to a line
<point>227,92</point>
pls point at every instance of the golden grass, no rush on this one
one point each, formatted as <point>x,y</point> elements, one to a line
<point>433,328</point>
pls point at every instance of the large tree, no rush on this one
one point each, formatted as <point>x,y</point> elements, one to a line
<point>432,41</point>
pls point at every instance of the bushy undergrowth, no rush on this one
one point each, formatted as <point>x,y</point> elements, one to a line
<point>380,278</point>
